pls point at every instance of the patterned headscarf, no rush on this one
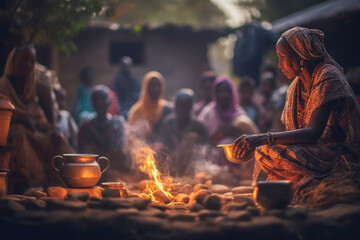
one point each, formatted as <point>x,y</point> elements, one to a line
<point>234,107</point>
<point>146,108</point>
<point>308,44</point>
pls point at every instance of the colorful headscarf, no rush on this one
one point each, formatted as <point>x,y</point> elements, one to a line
<point>308,44</point>
<point>146,108</point>
<point>234,107</point>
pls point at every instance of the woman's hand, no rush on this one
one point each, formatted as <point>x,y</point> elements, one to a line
<point>248,143</point>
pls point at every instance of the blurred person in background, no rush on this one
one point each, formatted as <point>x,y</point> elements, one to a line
<point>182,134</point>
<point>246,93</point>
<point>104,134</point>
<point>206,80</point>
<point>126,87</point>
<point>65,121</point>
<point>147,115</point>
<point>82,106</point>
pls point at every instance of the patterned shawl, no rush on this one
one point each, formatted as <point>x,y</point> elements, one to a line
<point>26,104</point>
<point>328,83</point>
<point>146,108</point>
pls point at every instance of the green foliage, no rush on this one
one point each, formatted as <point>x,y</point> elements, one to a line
<point>271,10</point>
<point>56,21</point>
<point>196,13</point>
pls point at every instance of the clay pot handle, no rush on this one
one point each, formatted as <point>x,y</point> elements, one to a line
<point>107,164</point>
<point>53,161</point>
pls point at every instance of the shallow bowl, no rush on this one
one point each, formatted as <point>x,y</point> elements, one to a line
<point>228,149</point>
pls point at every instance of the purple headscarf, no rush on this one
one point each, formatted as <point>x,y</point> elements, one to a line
<point>234,108</point>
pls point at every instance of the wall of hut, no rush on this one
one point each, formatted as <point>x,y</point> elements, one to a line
<point>179,56</point>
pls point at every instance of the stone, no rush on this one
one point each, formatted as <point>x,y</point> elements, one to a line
<point>205,214</point>
<point>198,193</point>
<point>212,202</point>
<point>183,217</point>
<point>199,187</point>
<point>275,212</point>
<point>196,207</point>
<point>181,197</point>
<point>161,207</point>
<point>114,203</point>
<point>141,203</point>
<point>94,204</point>
<point>178,206</point>
<point>57,192</point>
<point>57,204</point>
<point>236,206</point>
<point>254,211</point>
<point>219,188</point>
<point>228,194</point>
<point>187,189</point>
<point>239,215</point>
<point>239,198</point>
<point>95,191</point>
<point>32,204</point>
<point>32,190</point>
<point>10,207</point>
<point>82,196</point>
<point>242,189</point>
<point>127,211</point>
<point>36,193</point>
<point>111,193</point>
<point>296,213</point>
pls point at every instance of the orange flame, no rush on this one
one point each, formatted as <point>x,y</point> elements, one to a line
<point>146,161</point>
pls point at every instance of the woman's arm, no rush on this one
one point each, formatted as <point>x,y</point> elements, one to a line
<point>309,135</point>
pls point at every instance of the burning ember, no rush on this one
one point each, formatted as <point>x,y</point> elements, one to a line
<point>156,190</point>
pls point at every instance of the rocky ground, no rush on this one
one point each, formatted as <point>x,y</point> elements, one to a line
<point>214,212</point>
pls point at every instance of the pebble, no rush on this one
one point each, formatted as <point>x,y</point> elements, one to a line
<point>57,204</point>
<point>114,203</point>
<point>187,189</point>
<point>181,197</point>
<point>239,215</point>
<point>205,214</point>
<point>161,207</point>
<point>183,217</point>
<point>32,204</point>
<point>219,188</point>
<point>57,192</point>
<point>199,187</point>
<point>84,196</point>
<point>198,193</point>
<point>141,203</point>
<point>212,202</point>
<point>242,189</point>
<point>254,211</point>
<point>36,194</point>
<point>196,207</point>
<point>239,198</point>
<point>10,207</point>
<point>296,213</point>
<point>236,206</point>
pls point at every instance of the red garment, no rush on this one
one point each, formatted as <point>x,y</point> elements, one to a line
<point>114,107</point>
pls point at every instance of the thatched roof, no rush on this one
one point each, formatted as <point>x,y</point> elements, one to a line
<point>319,13</point>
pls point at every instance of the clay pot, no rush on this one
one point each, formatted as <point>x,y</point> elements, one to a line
<point>79,170</point>
<point>6,109</point>
<point>273,194</point>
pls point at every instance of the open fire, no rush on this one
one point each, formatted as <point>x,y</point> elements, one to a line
<point>156,190</point>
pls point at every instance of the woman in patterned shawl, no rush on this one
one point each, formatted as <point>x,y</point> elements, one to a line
<point>320,149</point>
<point>35,140</point>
